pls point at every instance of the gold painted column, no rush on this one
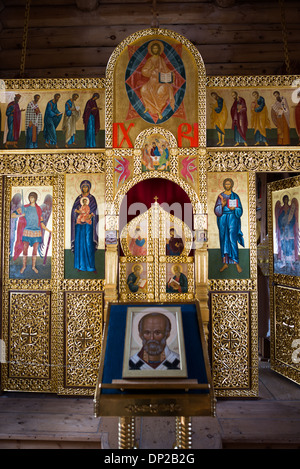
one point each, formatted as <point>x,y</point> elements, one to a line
<point>183,429</point>
<point>126,436</point>
<point>111,273</point>
<point>201,281</point>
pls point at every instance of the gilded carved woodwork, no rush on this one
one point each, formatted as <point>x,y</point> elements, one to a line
<point>234,302</point>
<point>286,331</point>
<point>230,342</point>
<point>156,223</point>
<point>29,348</point>
<point>83,329</point>
<point>284,296</point>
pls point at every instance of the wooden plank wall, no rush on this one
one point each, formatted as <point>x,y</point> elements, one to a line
<point>75,38</point>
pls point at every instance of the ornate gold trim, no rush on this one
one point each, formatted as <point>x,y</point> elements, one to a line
<point>56,162</point>
<point>250,80</point>
<point>264,160</point>
<point>54,83</point>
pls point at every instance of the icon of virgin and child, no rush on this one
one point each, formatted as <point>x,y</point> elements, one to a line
<point>84,236</point>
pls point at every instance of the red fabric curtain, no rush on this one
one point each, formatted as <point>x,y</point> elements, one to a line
<point>140,197</point>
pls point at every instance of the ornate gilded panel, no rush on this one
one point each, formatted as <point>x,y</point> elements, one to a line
<point>231,342</point>
<point>29,347</point>
<point>83,333</point>
<point>284,265</point>
<point>287,332</point>
<point>150,268</point>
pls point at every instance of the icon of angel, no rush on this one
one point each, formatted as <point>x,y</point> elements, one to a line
<point>28,227</point>
<point>287,231</point>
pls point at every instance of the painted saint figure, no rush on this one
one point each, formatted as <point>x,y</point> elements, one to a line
<point>259,119</point>
<point>13,122</point>
<point>138,244</point>
<point>219,116</point>
<point>287,231</point>
<point>157,92</point>
<point>91,121</point>
<point>71,116</point>
<point>175,244</point>
<point>154,330</point>
<point>280,114</point>
<point>239,119</point>
<point>228,209</point>
<point>164,159</point>
<point>30,230</point>
<point>84,237</point>
<point>52,119</point>
<point>33,122</point>
<point>178,283</point>
<point>134,280</point>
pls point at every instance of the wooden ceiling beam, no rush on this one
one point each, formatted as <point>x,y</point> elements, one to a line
<point>137,14</point>
<point>270,68</point>
<point>39,38</point>
<point>93,56</point>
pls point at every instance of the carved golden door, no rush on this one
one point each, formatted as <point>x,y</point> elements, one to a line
<point>284,256</point>
<point>149,268</point>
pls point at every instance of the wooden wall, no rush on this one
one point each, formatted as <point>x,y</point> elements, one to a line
<point>75,38</point>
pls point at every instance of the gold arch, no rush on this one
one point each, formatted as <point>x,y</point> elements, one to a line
<point>140,140</point>
<point>156,33</point>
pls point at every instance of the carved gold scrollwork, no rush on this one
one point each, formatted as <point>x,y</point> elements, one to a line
<point>83,339</point>
<point>29,361</point>
<point>230,332</point>
<point>286,331</point>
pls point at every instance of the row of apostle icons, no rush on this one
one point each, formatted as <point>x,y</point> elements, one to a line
<point>50,123</point>
<point>67,121</point>
<point>176,278</point>
<point>258,112</point>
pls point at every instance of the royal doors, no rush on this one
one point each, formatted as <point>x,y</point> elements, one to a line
<point>156,261</point>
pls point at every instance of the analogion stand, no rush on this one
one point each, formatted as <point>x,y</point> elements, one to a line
<point>129,398</point>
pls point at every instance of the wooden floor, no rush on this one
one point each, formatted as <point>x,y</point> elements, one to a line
<point>49,422</point>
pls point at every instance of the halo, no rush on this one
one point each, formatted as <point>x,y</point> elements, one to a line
<point>155,42</point>
<point>28,190</point>
<point>134,265</point>
<point>173,266</point>
<point>138,316</point>
<point>84,198</point>
<point>222,179</point>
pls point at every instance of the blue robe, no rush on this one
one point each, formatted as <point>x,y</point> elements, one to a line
<point>68,112</point>
<point>90,133</point>
<point>287,235</point>
<point>51,121</point>
<point>183,282</point>
<point>84,238</point>
<point>130,282</point>
<point>229,224</point>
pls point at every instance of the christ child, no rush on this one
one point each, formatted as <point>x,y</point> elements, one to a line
<point>84,212</point>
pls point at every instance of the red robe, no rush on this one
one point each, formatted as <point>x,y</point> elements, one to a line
<point>21,226</point>
<point>239,119</point>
